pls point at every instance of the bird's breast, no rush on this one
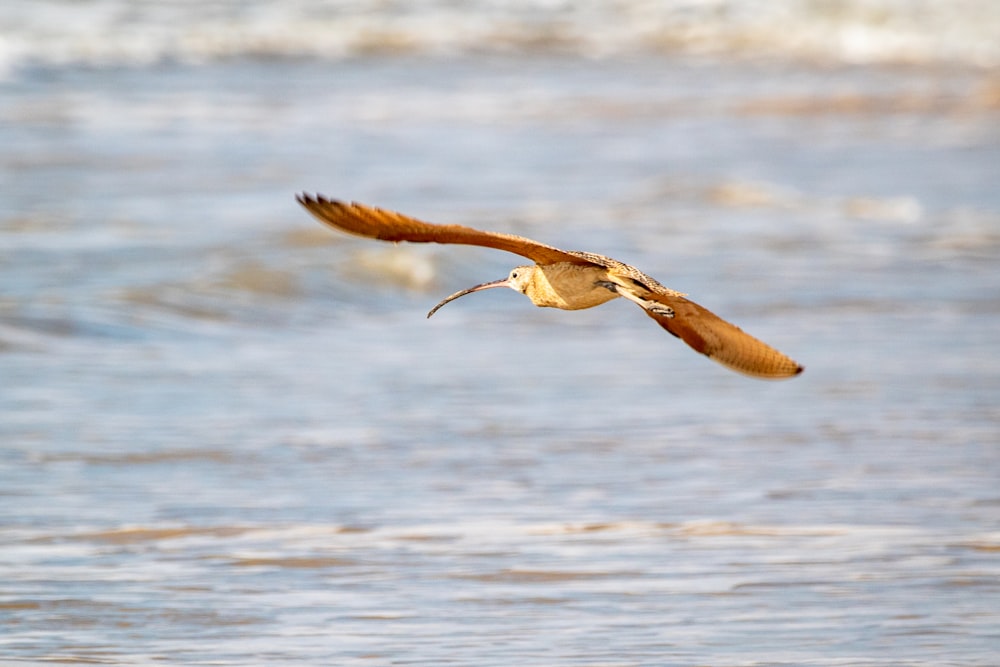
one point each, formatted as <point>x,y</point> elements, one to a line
<point>568,286</point>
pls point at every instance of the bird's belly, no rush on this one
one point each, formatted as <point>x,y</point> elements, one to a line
<point>570,286</point>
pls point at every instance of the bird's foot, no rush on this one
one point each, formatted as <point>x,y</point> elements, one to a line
<point>660,309</point>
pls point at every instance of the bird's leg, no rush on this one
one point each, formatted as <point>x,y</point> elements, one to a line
<point>654,307</point>
<point>650,306</point>
<point>607,284</point>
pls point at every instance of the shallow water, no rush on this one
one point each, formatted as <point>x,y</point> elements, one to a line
<point>230,436</point>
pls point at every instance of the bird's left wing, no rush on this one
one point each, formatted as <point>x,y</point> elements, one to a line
<point>377,223</point>
<point>719,340</point>
<point>700,328</point>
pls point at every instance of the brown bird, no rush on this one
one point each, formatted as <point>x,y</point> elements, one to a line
<point>570,280</point>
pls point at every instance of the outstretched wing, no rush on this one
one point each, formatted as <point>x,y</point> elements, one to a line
<point>700,328</point>
<point>377,223</point>
<point>717,339</point>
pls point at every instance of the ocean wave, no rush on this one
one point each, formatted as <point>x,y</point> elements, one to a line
<point>50,33</point>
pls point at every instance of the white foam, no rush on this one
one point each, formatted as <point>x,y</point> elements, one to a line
<point>116,32</point>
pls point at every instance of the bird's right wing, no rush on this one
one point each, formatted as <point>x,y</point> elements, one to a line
<point>717,339</point>
<point>377,223</point>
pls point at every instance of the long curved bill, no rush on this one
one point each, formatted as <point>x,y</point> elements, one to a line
<point>496,283</point>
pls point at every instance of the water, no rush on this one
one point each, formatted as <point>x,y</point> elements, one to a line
<point>229,436</point>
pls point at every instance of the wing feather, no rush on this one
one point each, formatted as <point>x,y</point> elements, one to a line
<point>721,341</point>
<point>700,328</point>
<point>377,223</point>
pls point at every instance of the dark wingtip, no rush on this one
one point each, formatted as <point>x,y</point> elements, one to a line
<point>308,200</point>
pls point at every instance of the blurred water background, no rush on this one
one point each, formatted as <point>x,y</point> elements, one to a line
<point>228,436</point>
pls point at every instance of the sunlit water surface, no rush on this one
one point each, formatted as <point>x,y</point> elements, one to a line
<point>229,436</point>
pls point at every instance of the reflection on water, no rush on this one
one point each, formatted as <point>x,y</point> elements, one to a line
<point>231,436</point>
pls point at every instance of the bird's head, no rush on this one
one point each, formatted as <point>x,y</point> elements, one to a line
<point>518,280</point>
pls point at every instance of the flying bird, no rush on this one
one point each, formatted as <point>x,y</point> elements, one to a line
<point>570,280</point>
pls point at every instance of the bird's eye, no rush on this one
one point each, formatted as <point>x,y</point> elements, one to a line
<point>513,274</point>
